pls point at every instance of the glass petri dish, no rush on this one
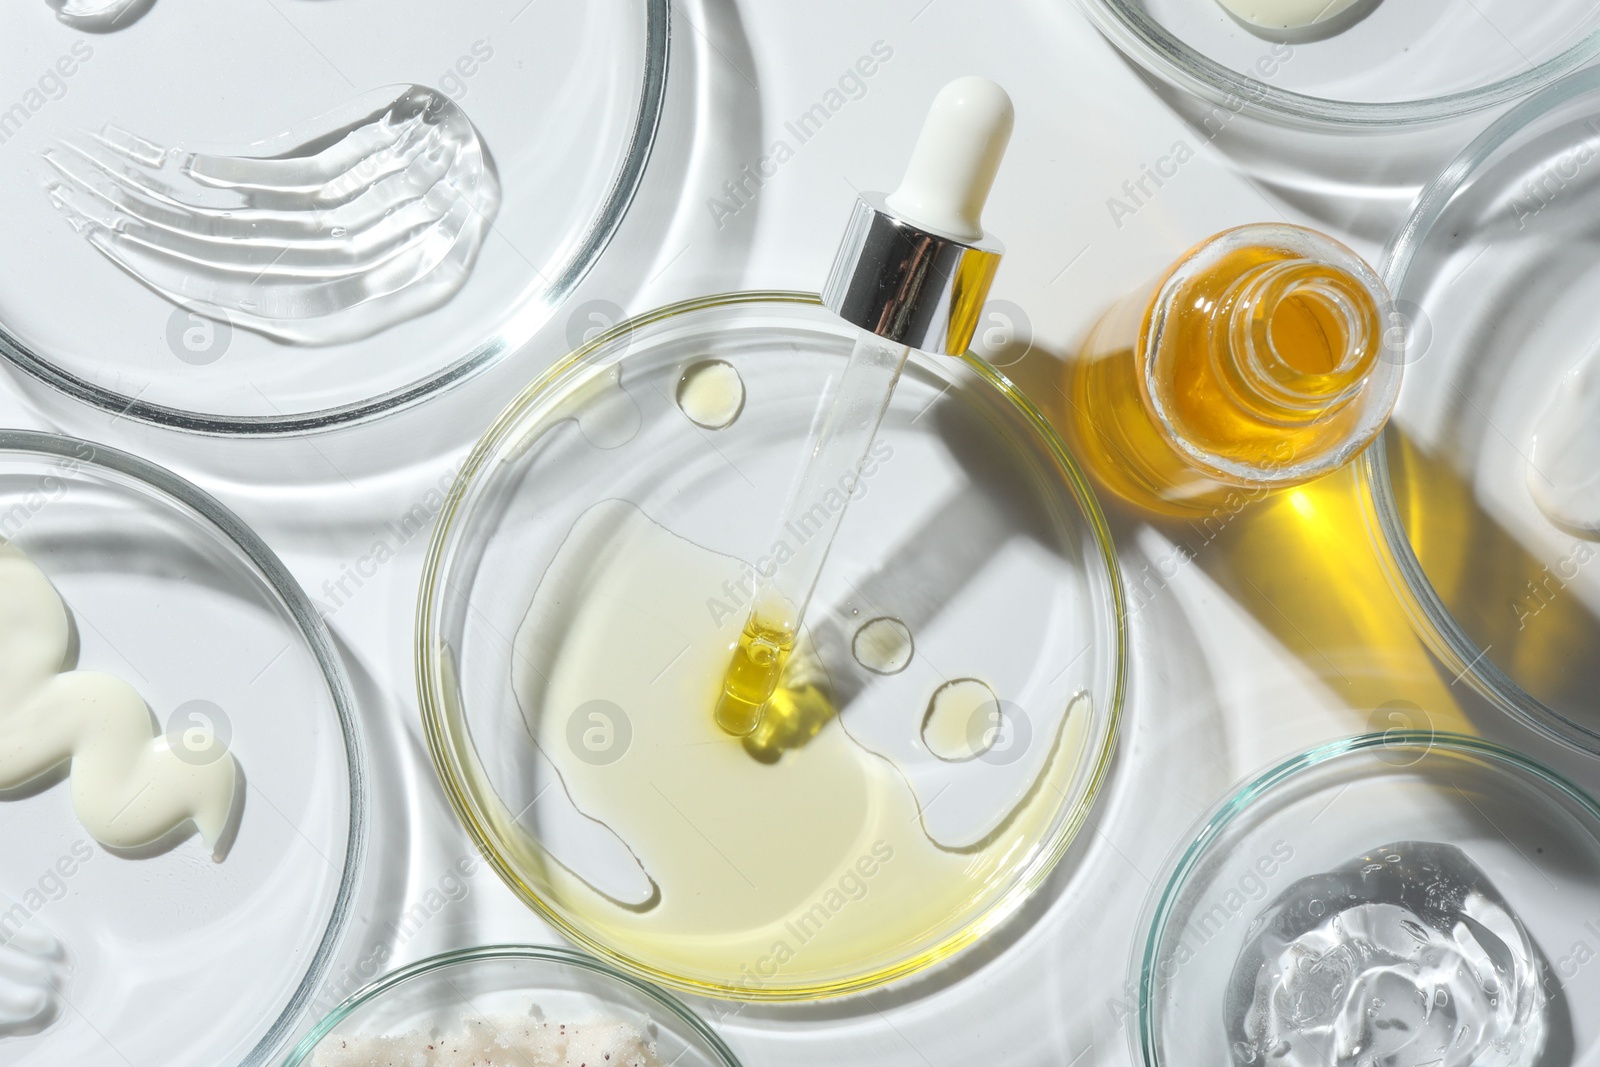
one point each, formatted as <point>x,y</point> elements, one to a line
<point>510,983</point>
<point>165,955</point>
<point>968,631</point>
<point>1384,63</point>
<point>491,154</point>
<point>1532,835</point>
<point>1496,275</point>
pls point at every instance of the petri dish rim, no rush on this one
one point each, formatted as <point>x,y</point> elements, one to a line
<point>1429,616</point>
<point>1211,825</point>
<point>446,734</point>
<point>490,953</point>
<point>522,325</point>
<point>1161,53</point>
<point>183,495</point>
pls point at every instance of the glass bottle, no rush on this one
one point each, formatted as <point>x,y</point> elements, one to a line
<point>1264,358</point>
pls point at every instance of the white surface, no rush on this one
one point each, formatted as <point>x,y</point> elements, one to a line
<point>1216,692</point>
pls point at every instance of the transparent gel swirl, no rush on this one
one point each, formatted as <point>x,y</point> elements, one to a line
<point>328,240</point>
<point>1405,957</point>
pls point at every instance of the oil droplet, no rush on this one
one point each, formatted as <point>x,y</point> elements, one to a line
<point>883,645</point>
<point>711,393</point>
<point>962,720</point>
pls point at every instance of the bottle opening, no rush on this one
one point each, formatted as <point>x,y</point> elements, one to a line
<point>1306,334</point>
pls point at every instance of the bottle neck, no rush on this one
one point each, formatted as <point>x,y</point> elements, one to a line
<point>1296,339</point>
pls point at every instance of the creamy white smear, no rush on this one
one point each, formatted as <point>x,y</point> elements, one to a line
<point>1564,463</point>
<point>1288,14</point>
<point>99,16</point>
<point>128,787</point>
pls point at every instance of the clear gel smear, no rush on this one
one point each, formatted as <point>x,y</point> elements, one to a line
<point>1405,957</point>
<point>372,215</point>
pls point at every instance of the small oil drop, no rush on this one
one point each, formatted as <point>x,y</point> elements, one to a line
<point>883,645</point>
<point>962,720</point>
<point>711,393</point>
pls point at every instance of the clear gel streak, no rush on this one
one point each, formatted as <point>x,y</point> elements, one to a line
<point>376,218</point>
<point>33,969</point>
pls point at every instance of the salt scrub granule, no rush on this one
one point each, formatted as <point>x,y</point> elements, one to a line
<point>497,1041</point>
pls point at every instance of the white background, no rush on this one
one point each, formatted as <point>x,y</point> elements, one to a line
<point>1219,689</point>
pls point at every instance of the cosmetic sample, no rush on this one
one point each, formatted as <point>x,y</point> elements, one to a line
<point>129,788</point>
<point>711,393</point>
<point>840,837</point>
<point>371,215</point>
<point>1289,14</point>
<point>1407,956</point>
<point>1564,462</point>
<point>1260,361</point>
<point>100,16</point>
<point>491,1041</point>
<point>883,645</point>
<point>33,970</point>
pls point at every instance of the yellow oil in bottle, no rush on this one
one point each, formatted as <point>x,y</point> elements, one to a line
<point>1258,362</point>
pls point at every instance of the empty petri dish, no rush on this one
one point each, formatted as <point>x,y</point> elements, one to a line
<point>532,1005</point>
<point>1367,63</point>
<point>293,254</point>
<point>1483,487</point>
<point>591,572</point>
<point>1422,897</point>
<point>178,950</point>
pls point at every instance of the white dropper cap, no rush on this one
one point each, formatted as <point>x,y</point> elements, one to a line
<point>963,140</point>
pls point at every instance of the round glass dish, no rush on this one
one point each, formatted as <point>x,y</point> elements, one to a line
<point>1532,836</point>
<point>1497,275</point>
<point>491,154</point>
<point>1385,63</point>
<point>512,985</point>
<point>165,955</point>
<point>586,582</point>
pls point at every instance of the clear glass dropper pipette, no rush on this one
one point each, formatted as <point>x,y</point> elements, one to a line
<point>913,271</point>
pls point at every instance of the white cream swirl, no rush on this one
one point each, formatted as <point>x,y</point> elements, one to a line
<point>129,788</point>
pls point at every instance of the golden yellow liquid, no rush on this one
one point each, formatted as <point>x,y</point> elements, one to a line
<point>1288,407</point>
<point>1518,608</point>
<point>758,661</point>
<point>807,868</point>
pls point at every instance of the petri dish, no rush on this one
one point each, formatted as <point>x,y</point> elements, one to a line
<point>290,255</point>
<point>1530,838</point>
<point>967,638</point>
<point>1486,559</point>
<point>1382,63</point>
<point>164,955</point>
<point>508,985</point>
